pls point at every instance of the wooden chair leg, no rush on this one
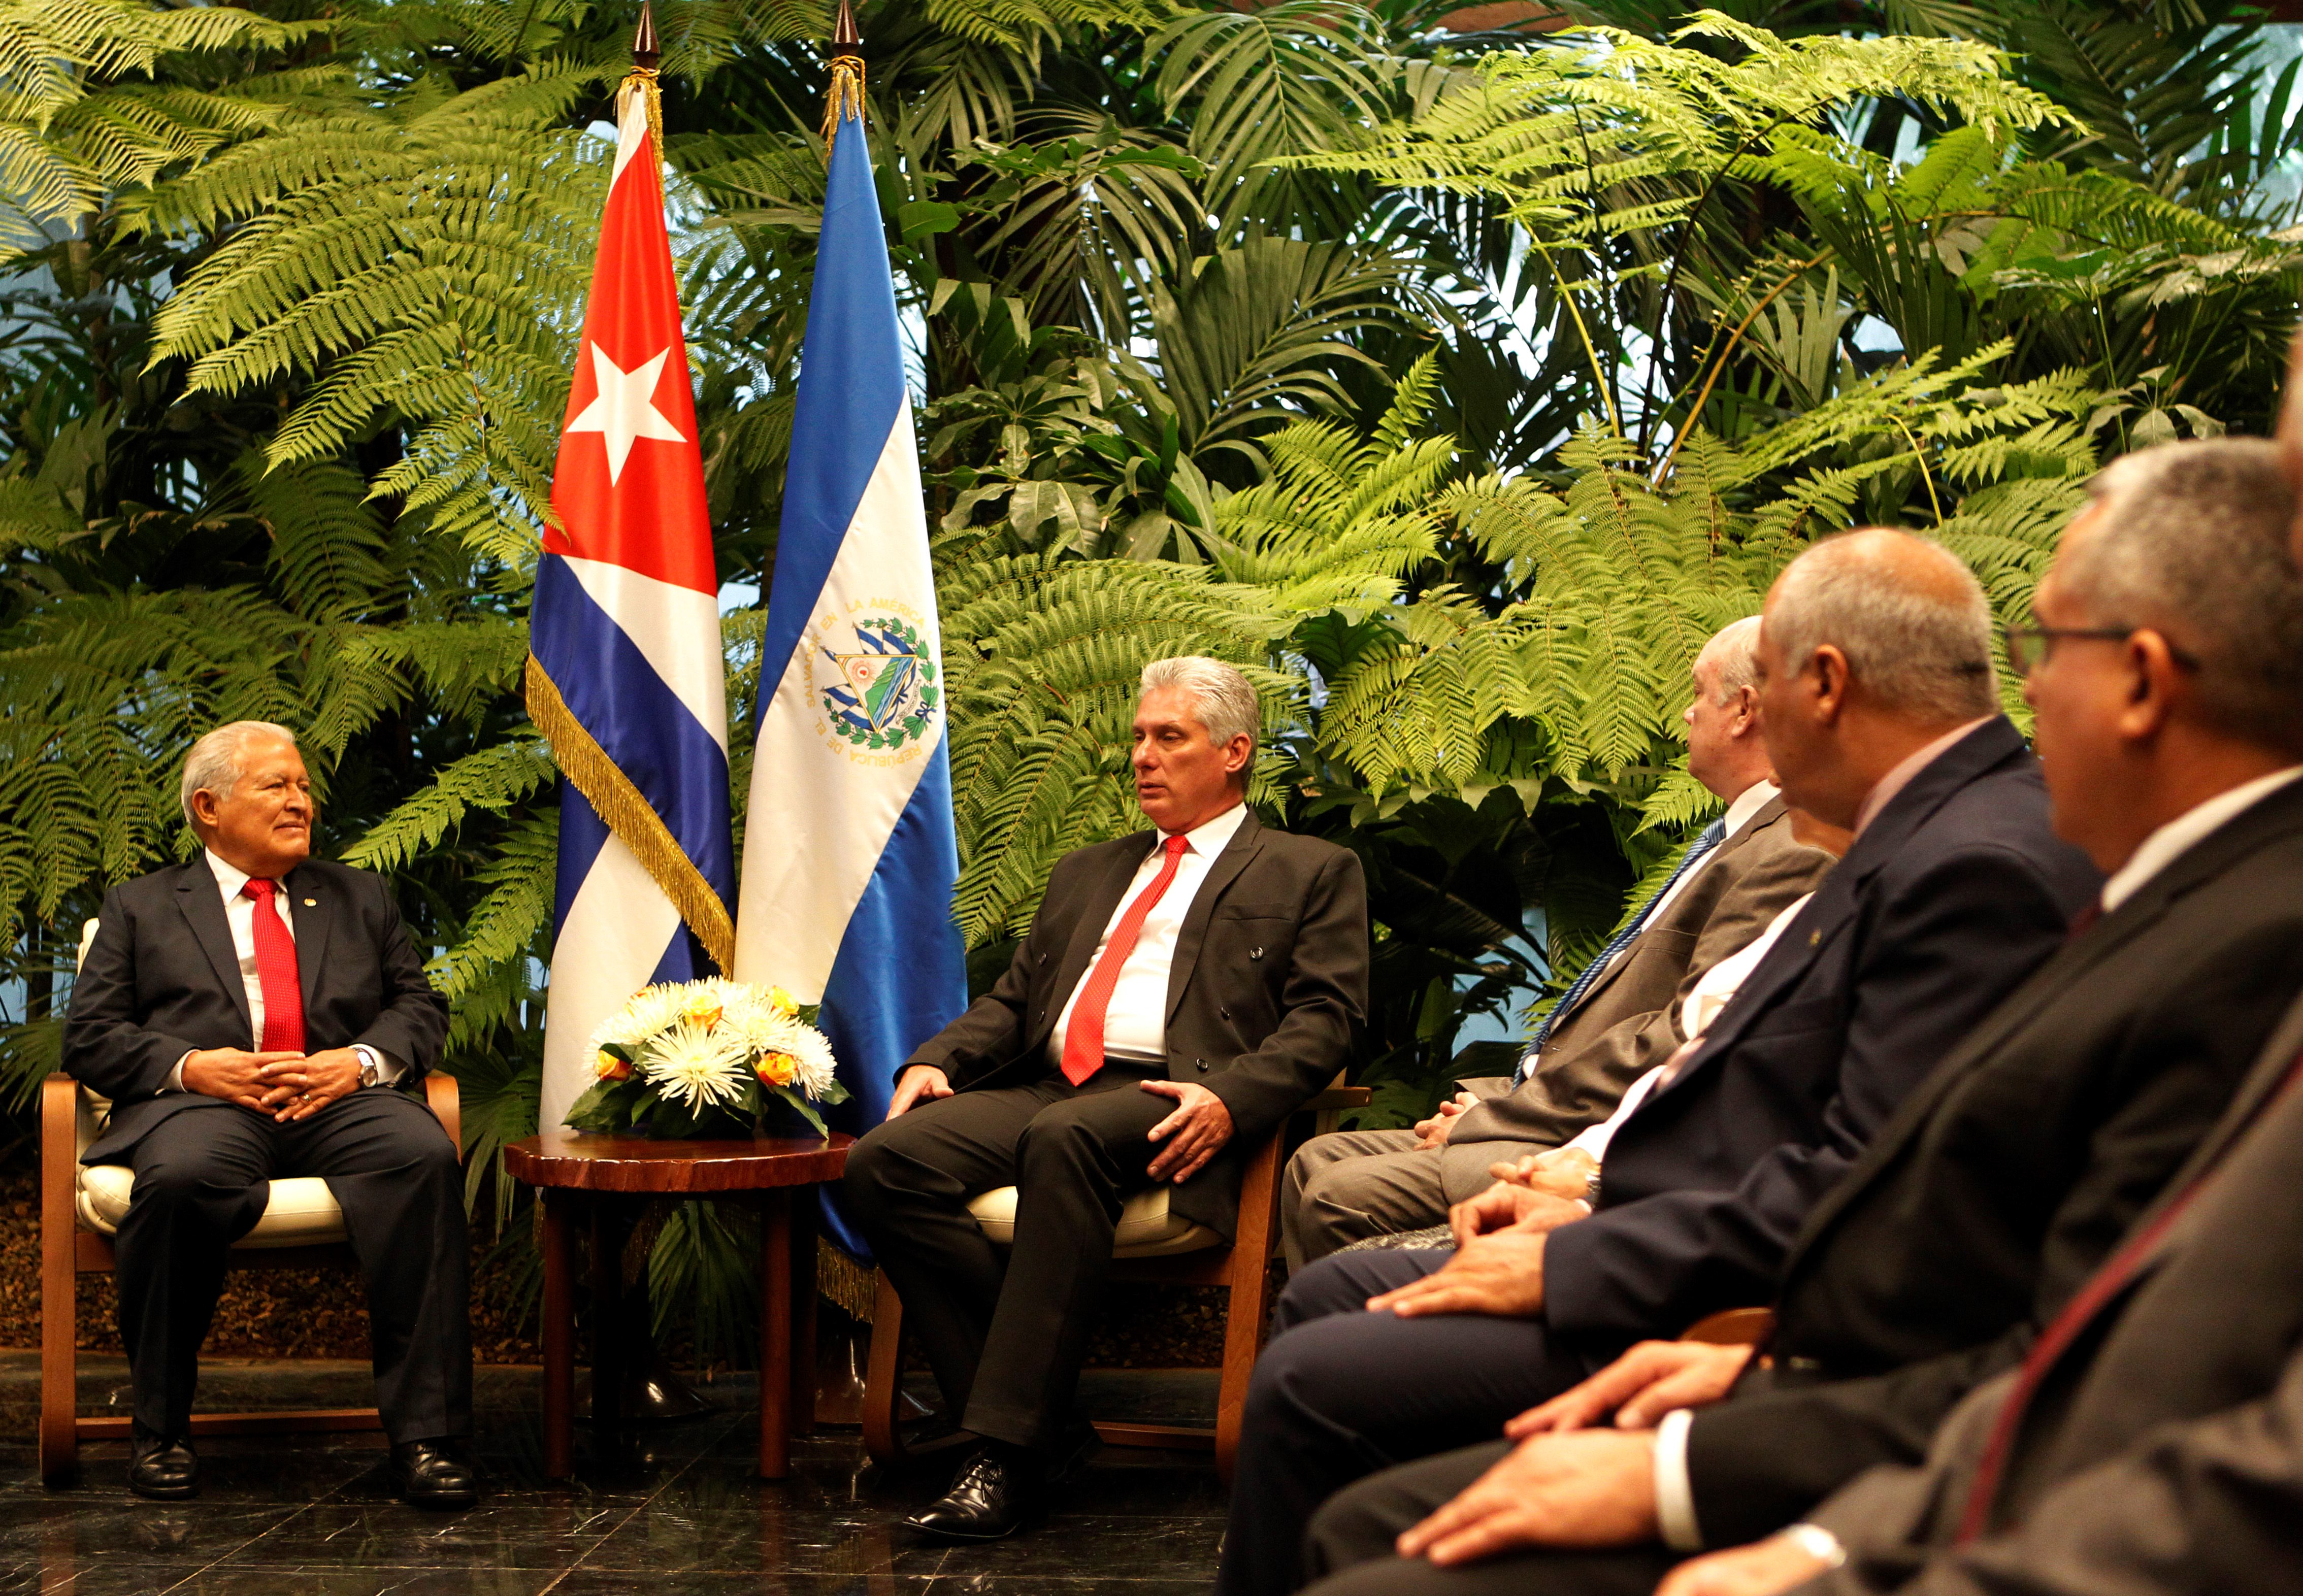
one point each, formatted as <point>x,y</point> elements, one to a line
<point>59,1284</point>
<point>1250,1283</point>
<point>883,1377</point>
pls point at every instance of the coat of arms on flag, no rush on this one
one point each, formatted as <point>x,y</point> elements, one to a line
<point>878,687</point>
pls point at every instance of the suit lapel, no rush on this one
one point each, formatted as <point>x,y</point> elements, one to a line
<point>1826,916</point>
<point>2205,861</point>
<point>202,903</point>
<point>313,909</point>
<point>1221,871</point>
<point>1764,815</point>
<point>1095,913</point>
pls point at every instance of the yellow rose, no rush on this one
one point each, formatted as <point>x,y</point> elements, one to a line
<point>702,1009</point>
<point>607,1067</point>
<point>776,1069</point>
<point>783,1001</point>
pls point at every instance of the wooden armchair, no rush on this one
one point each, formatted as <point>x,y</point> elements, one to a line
<point>80,1208</point>
<point>1151,1246</point>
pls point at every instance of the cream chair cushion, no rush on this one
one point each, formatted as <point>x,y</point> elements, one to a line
<point>1146,1229</point>
<point>302,1212</point>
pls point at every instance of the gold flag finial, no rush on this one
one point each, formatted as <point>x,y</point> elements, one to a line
<point>642,79</point>
<point>844,97</point>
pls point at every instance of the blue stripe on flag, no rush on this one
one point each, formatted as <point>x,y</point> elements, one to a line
<point>901,976</point>
<point>639,723</point>
<point>851,386</point>
<point>582,835</point>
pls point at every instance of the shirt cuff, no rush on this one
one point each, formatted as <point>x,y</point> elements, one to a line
<point>176,1081</point>
<point>388,1069</point>
<point>1674,1493</point>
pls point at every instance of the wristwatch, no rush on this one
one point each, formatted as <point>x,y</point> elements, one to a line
<point>371,1072</point>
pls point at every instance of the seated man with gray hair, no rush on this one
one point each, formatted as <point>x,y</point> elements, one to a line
<point>1181,992</point>
<point>1619,1020</point>
<point>248,1013</point>
<point>1879,705</point>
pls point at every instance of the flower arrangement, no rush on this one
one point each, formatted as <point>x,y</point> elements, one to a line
<point>700,1057</point>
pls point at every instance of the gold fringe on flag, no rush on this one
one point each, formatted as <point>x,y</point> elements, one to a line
<point>630,816</point>
<point>845,98</point>
<point>642,81</point>
<point>844,1283</point>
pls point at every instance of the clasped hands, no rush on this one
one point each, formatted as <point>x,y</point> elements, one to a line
<point>1497,1267</point>
<point>1196,1132</point>
<point>286,1086</point>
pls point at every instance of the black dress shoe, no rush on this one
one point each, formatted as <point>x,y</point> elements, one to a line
<point>998,1491</point>
<point>425,1475</point>
<point>162,1470</point>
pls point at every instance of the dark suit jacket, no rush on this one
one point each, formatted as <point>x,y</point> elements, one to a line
<point>1266,998</point>
<point>2007,1177</point>
<point>161,980</point>
<point>2163,1452</point>
<point>1628,1021</point>
<point>1954,892</point>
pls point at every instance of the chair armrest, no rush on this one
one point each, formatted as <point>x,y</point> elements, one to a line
<point>446,1101</point>
<point>1339,1097</point>
<point>1733,1327</point>
<point>59,1151</point>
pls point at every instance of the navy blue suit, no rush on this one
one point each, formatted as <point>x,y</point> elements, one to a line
<point>1955,891</point>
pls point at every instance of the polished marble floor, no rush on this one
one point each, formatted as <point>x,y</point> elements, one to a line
<point>682,1517</point>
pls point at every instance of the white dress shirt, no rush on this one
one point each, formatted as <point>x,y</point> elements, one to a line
<point>240,914</point>
<point>1136,1022</point>
<point>1674,1493</point>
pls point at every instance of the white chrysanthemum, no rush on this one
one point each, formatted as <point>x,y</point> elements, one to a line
<point>652,1008</point>
<point>766,1029</point>
<point>814,1056</point>
<point>697,1067</point>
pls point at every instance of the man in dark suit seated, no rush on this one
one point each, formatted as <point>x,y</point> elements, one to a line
<point>1182,990</point>
<point>1878,704</point>
<point>249,1014</point>
<point>1617,1021</point>
<point>2167,674</point>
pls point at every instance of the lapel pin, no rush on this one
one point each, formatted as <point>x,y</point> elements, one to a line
<point>311,903</point>
<point>1814,938</point>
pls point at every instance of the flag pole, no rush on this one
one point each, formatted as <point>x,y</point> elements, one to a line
<point>642,79</point>
<point>844,95</point>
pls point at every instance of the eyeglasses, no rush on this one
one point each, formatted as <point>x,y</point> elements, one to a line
<point>2028,646</point>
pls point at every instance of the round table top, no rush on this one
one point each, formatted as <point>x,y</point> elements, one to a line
<point>595,1163</point>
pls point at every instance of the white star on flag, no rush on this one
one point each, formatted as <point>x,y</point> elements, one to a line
<point>625,408</point>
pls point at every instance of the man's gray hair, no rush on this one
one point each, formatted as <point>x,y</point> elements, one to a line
<point>1224,700</point>
<point>1736,647</point>
<point>1916,631</point>
<point>2193,542</point>
<point>214,764</point>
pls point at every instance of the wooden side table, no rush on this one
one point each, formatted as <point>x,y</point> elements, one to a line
<point>577,1175</point>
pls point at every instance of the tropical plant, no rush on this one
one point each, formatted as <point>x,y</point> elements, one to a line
<point>1456,386</point>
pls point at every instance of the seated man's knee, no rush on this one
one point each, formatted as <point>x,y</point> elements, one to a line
<point>1329,1286</point>
<point>1355,1526</point>
<point>874,1167</point>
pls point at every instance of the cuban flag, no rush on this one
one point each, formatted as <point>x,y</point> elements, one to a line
<point>625,674</point>
<point>849,857</point>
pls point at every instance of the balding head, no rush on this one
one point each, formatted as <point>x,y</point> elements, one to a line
<point>1906,614</point>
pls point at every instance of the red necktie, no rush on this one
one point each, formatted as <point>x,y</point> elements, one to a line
<point>1083,1037</point>
<point>2100,1291</point>
<point>276,973</point>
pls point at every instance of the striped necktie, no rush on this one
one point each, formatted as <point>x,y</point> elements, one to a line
<point>1696,852</point>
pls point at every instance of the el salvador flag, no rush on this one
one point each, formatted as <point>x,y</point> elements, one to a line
<point>849,857</point>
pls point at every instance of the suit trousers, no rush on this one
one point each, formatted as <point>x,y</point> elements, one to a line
<point>1005,1337</point>
<point>1341,1393</point>
<point>1349,1184</point>
<point>202,1180</point>
<point>1348,1551</point>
